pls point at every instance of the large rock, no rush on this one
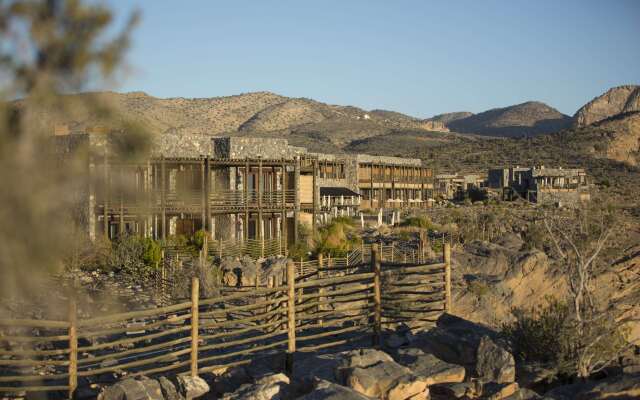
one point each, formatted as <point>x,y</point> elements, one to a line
<point>192,387</point>
<point>429,366</point>
<point>169,391</point>
<point>375,374</point>
<point>494,363</point>
<point>269,387</point>
<point>454,340</point>
<point>361,358</point>
<point>325,390</point>
<point>133,389</point>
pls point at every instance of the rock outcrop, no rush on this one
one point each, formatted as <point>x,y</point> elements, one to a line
<point>617,100</point>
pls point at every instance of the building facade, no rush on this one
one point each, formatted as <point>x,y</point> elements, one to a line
<point>564,187</point>
<point>235,188</point>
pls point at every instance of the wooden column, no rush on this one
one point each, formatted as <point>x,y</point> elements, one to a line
<point>260,225</point>
<point>284,208</point>
<point>377,296</point>
<point>291,315</point>
<point>371,195</point>
<point>203,180</point>
<point>121,196</point>
<point>245,199</point>
<point>447,276</point>
<point>314,188</point>
<point>208,196</point>
<point>296,215</point>
<point>163,196</point>
<point>321,288</point>
<point>73,345</point>
<point>195,295</point>
<point>106,194</point>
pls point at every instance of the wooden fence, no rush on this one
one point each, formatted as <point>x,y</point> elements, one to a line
<point>330,306</point>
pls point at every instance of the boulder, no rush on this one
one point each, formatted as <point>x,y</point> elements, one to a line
<point>377,379</point>
<point>133,389</point>
<point>229,380</point>
<point>434,369</point>
<point>311,366</point>
<point>325,390</point>
<point>192,387</point>
<point>625,386</point>
<point>524,394</point>
<point>453,340</point>
<point>499,391</point>
<point>454,390</point>
<point>269,387</point>
<point>169,391</point>
<point>374,373</point>
<point>361,358</point>
<point>494,363</point>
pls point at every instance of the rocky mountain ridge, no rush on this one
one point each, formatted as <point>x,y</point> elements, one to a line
<point>617,100</point>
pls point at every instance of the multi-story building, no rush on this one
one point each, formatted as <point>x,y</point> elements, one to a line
<point>542,185</point>
<point>456,186</point>
<point>237,188</point>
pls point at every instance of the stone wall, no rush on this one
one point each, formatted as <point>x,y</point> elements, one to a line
<point>251,147</point>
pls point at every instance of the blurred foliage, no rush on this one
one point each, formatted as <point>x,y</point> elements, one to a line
<point>49,48</point>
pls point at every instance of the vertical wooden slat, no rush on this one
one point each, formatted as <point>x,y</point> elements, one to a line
<point>291,315</point>
<point>447,276</point>
<point>321,288</point>
<point>106,193</point>
<point>296,214</point>
<point>195,294</point>
<point>163,196</point>
<point>73,345</point>
<point>377,296</point>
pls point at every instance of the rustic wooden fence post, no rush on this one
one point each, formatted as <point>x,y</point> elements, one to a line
<point>321,288</point>
<point>377,297</point>
<point>447,276</point>
<point>73,345</point>
<point>195,294</point>
<point>291,315</point>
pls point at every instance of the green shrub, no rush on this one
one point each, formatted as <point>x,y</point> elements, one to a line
<point>152,252</point>
<point>197,240</point>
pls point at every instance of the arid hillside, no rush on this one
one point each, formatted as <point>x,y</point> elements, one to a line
<point>526,119</point>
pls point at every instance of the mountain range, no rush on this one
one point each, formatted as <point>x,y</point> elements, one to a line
<point>325,127</point>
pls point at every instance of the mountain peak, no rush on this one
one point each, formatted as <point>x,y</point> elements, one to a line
<point>619,99</point>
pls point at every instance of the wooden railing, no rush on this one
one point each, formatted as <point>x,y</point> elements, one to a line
<point>308,313</point>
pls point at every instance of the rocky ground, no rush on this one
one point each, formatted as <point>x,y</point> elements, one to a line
<point>457,359</point>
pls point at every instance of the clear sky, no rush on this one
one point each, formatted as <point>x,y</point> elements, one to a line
<point>417,57</point>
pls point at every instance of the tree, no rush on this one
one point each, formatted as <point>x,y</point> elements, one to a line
<point>580,239</point>
<point>48,48</point>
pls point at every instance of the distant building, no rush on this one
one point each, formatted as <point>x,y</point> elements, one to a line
<point>564,187</point>
<point>457,186</point>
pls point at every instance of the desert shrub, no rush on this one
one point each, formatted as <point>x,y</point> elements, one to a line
<point>549,334</point>
<point>337,238</point>
<point>134,255</point>
<point>197,240</point>
<point>151,252</point>
<point>478,288</point>
<point>404,236</point>
<point>534,237</point>
<point>301,249</point>
<point>419,222</point>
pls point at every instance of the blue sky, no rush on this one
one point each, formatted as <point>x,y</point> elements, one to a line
<point>417,57</point>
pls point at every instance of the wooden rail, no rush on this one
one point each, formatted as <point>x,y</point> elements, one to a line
<point>340,303</point>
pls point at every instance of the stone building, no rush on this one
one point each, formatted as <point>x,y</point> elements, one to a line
<point>564,187</point>
<point>457,186</point>
<point>235,188</point>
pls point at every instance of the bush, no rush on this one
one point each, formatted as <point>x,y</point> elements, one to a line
<point>134,255</point>
<point>419,222</point>
<point>549,334</point>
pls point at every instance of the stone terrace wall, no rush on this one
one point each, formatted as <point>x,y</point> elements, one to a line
<point>366,158</point>
<point>173,145</point>
<point>246,147</point>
